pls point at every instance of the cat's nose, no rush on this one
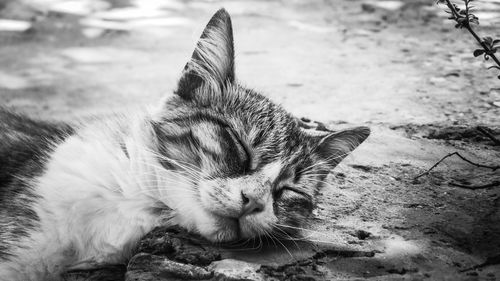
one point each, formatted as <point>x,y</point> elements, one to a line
<point>251,205</point>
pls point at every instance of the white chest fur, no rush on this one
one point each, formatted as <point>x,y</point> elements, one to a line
<point>95,203</point>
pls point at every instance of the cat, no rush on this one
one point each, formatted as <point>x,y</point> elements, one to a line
<point>216,158</point>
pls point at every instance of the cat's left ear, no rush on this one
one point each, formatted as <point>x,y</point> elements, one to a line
<point>212,62</point>
<point>336,146</point>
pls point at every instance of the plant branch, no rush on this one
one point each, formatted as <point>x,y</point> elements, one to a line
<point>474,187</point>
<point>464,21</point>
<point>494,260</point>
<point>494,168</point>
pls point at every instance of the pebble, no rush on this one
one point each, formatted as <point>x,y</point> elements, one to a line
<point>14,25</point>
<point>495,93</point>
<point>437,80</point>
<point>121,14</point>
<point>136,24</point>
<point>386,5</point>
<point>93,32</point>
<point>96,23</point>
<point>230,269</point>
<point>309,27</point>
<point>159,22</point>
<point>79,8</point>
<point>13,82</point>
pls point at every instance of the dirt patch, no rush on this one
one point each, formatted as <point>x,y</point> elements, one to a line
<point>477,134</point>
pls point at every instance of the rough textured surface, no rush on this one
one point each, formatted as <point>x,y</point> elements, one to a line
<point>177,245</point>
<point>163,268</point>
<point>173,254</point>
<point>229,270</point>
<point>107,273</point>
<point>385,64</point>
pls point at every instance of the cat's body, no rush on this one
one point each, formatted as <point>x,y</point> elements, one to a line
<point>217,159</point>
<point>74,217</point>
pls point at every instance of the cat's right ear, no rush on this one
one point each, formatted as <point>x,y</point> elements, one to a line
<point>212,63</point>
<point>336,146</point>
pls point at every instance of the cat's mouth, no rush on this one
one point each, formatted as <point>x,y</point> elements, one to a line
<point>234,230</point>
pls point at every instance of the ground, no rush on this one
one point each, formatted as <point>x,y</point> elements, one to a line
<point>399,67</point>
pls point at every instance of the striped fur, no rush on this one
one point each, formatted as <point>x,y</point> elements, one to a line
<point>218,159</point>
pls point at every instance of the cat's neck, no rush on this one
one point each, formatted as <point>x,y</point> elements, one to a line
<point>114,157</point>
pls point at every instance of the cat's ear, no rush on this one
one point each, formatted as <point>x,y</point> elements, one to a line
<point>336,146</point>
<point>212,62</point>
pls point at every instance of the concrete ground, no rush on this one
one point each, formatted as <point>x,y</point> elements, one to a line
<point>399,67</point>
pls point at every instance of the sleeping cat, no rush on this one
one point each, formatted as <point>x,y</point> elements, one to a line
<point>217,159</point>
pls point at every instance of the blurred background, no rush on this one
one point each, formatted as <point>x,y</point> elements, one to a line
<point>349,60</point>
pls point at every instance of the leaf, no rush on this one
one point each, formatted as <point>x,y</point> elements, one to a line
<point>488,39</point>
<point>493,67</point>
<point>478,52</point>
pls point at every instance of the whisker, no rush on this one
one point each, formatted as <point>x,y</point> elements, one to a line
<point>287,235</point>
<point>300,228</point>
<point>286,249</point>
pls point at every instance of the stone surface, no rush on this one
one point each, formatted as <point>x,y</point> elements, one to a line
<point>109,273</point>
<point>178,245</point>
<point>146,266</point>
<point>229,270</point>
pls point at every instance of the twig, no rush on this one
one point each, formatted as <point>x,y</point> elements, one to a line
<point>494,168</point>
<point>485,132</point>
<point>474,187</point>
<point>489,261</point>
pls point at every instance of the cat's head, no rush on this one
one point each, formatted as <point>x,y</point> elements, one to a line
<point>247,168</point>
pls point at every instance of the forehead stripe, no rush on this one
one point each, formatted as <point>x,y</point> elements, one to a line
<point>196,118</point>
<point>272,170</point>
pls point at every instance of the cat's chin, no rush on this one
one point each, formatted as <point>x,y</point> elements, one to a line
<point>220,229</point>
<point>229,230</point>
<point>223,236</point>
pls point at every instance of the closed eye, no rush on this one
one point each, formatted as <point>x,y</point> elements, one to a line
<point>298,175</point>
<point>243,153</point>
<point>279,193</point>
